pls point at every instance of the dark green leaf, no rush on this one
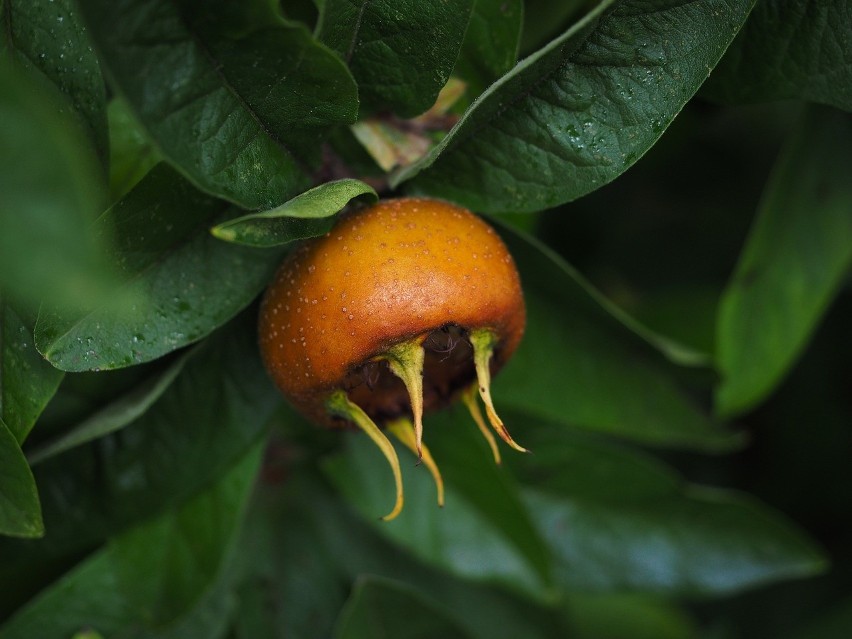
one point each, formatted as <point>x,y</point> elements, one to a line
<point>385,608</point>
<point>833,624</point>
<point>238,113</point>
<point>131,153</point>
<point>611,377</point>
<point>582,110</point>
<point>183,283</point>
<point>401,52</point>
<point>616,616</point>
<point>212,414</point>
<point>299,529</point>
<point>27,382</point>
<point>20,512</point>
<point>47,36</point>
<point>616,521</point>
<point>546,19</point>
<point>306,215</point>
<point>114,416</point>
<point>49,195</point>
<point>458,537</point>
<point>491,43</point>
<point>483,515</point>
<point>794,262</point>
<point>146,579</point>
<point>790,49</point>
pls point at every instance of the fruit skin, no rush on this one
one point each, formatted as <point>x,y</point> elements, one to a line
<point>386,274</point>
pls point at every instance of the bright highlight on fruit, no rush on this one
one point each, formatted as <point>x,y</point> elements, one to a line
<point>403,308</point>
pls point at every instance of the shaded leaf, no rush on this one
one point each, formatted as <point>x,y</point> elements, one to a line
<point>27,382</point>
<point>546,19</point>
<point>182,282</point>
<point>638,616</point>
<point>115,415</point>
<point>150,576</point>
<point>307,215</point>
<point>132,154</point>
<point>789,49</point>
<point>298,528</point>
<point>581,110</point>
<point>794,261</point>
<point>49,195</point>
<point>491,43</point>
<point>381,607</point>
<point>210,416</point>
<point>235,112</point>
<point>618,521</point>
<point>613,377</point>
<point>20,512</point>
<point>47,37</point>
<point>459,537</point>
<point>401,52</point>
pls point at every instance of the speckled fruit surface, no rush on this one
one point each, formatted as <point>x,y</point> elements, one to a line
<point>392,272</point>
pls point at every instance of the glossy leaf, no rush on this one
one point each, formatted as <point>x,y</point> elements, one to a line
<point>618,521</point>
<point>380,607</point>
<point>581,110</point>
<point>794,262</point>
<point>491,43</point>
<point>27,382</point>
<point>307,215</point>
<point>20,512</point>
<point>401,52</point>
<point>48,38</point>
<point>210,416</point>
<point>49,195</point>
<point>230,111</point>
<point>789,49</point>
<point>115,415</point>
<point>149,577</point>
<point>182,283</point>
<point>612,377</point>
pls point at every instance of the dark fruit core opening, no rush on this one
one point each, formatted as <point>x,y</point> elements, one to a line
<point>448,368</point>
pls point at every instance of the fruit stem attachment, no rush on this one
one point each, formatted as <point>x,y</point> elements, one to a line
<point>406,362</point>
<point>403,430</point>
<point>339,404</point>
<point>469,398</point>
<point>483,341</point>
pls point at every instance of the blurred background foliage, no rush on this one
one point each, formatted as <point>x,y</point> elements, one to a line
<point>684,382</point>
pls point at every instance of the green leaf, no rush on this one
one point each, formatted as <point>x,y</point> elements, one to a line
<point>794,262</point>
<point>131,153</point>
<point>381,607</point>
<point>581,110</point>
<point>115,415</point>
<point>789,49</point>
<point>613,375</point>
<point>298,528</point>
<point>211,415</point>
<point>306,215</point>
<point>618,521</point>
<point>238,113</point>
<point>149,577</point>
<point>20,511</point>
<point>634,615</point>
<point>48,38</point>
<point>546,19</point>
<point>491,43</point>
<point>182,282</point>
<point>27,382</point>
<point>401,52</point>
<point>49,195</point>
<point>462,537</point>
